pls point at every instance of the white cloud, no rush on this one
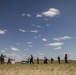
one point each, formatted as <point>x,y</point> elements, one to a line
<point>35,37</point>
<point>57,39</point>
<point>55,44</point>
<point>33,31</point>
<point>62,38</point>
<point>48,25</point>
<point>14,49</point>
<point>43,39</point>
<point>50,13</point>
<point>40,35</point>
<point>58,48</point>
<point>22,30</point>
<point>2,51</point>
<point>38,15</point>
<point>28,15</point>
<point>29,42</point>
<point>39,26</point>
<point>3,31</point>
<point>23,14</point>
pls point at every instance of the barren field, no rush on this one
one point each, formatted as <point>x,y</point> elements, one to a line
<point>38,69</point>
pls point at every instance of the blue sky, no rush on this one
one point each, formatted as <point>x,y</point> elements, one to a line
<point>38,27</point>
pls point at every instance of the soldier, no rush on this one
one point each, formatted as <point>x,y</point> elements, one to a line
<point>9,61</point>
<point>66,61</point>
<point>58,59</point>
<point>45,60</point>
<point>2,58</point>
<point>52,60</point>
<point>37,60</point>
<point>31,59</point>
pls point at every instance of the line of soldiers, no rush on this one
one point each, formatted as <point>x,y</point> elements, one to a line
<point>45,59</point>
<point>31,59</point>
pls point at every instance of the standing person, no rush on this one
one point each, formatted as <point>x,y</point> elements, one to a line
<point>2,59</point>
<point>45,60</point>
<point>58,59</point>
<point>37,60</point>
<point>52,60</point>
<point>66,57</point>
<point>9,61</point>
<point>31,59</point>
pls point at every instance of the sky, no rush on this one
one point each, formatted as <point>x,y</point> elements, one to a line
<point>38,27</point>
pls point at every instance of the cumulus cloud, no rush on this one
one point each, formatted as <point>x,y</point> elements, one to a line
<point>38,26</point>
<point>35,37</point>
<point>40,35</point>
<point>38,15</point>
<point>22,30</point>
<point>28,15</point>
<point>50,13</point>
<point>48,25</point>
<point>56,44</point>
<point>62,38</point>
<point>29,42</point>
<point>58,48</point>
<point>43,39</point>
<point>3,31</point>
<point>14,49</point>
<point>33,31</point>
<point>23,14</point>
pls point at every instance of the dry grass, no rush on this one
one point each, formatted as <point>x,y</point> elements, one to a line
<point>41,69</point>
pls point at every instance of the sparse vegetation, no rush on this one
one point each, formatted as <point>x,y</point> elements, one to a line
<point>39,69</point>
